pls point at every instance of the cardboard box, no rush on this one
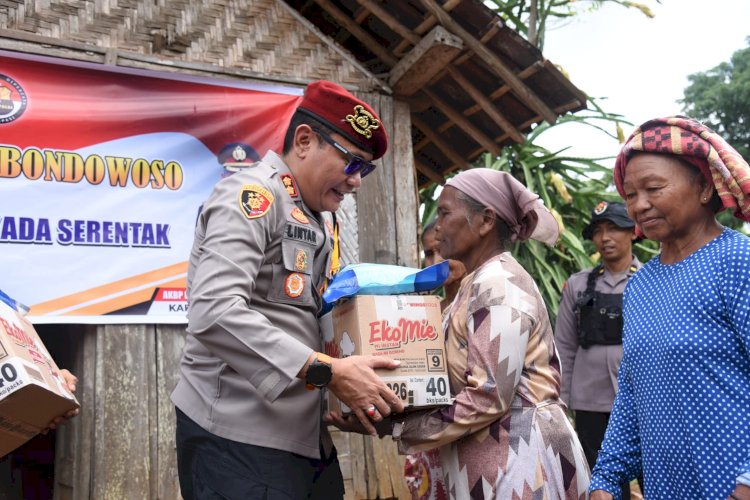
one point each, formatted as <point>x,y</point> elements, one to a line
<point>32,391</point>
<point>404,327</point>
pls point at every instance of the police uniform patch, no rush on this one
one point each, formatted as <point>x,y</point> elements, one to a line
<point>301,259</point>
<point>294,285</point>
<point>255,201</point>
<point>601,208</point>
<point>300,216</point>
<point>289,185</point>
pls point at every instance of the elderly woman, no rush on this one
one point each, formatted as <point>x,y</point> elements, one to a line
<point>506,434</point>
<point>682,414</point>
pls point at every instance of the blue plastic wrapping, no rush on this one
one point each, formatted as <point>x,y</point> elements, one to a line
<point>5,298</point>
<point>384,279</point>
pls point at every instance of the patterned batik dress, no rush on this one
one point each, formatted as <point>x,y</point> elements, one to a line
<point>506,435</point>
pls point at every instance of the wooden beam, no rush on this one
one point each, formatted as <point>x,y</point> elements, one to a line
<point>494,28</point>
<point>476,152</point>
<point>498,92</point>
<point>463,123</point>
<point>515,83</point>
<point>487,105</point>
<point>427,24</point>
<point>424,61</point>
<point>429,173</point>
<point>359,33</point>
<point>560,76</point>
<point>560,110</point>
<point>406,196</point>
<point>447,150</point>
<point>390,21</point>
<point>504,89</point>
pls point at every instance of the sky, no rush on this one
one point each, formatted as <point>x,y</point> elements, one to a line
<point>640,64</point>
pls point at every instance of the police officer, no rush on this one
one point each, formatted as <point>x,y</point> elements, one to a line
<point>249,400</point>
<point>588,331</point>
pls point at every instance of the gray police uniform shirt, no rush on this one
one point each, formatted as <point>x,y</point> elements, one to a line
<point>258,262</point>
<point>589,376</point>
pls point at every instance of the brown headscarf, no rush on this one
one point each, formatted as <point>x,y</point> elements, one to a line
<point>522,210</point>
<point>697,144</point>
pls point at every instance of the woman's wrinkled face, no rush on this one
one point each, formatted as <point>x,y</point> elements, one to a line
<point>454,230</point>
<point>663,196</point>
<point>432,256</point>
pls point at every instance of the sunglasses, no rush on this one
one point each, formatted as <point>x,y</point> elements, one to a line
<point>355,163</point>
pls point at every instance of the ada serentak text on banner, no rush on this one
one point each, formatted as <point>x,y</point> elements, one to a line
<point>102,173</point>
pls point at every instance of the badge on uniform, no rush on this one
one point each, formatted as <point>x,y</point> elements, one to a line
<point>290,185</point>
<point>301,259</point>
<point>300,216</point>
<point>255,201</point>
<point>294,285</point>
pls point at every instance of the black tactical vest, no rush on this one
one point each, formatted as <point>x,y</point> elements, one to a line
<point>598,315</point>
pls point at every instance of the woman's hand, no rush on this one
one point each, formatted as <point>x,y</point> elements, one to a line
<point>741,492</point>
<point>70,382</point>
<point>601,495</point>
<point>351,423</point>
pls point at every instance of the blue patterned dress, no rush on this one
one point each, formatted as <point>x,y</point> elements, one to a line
<point>682,413</point>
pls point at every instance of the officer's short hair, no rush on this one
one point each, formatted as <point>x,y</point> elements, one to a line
<point>297,120</point>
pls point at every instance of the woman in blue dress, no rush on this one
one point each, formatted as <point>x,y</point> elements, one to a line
<point>682,413</point>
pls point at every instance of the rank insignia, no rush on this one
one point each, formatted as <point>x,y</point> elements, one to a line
<point>329,226</point>
<point>300,216</point>
<point>294,285</point>
<point>363,122</point>
<point>289,185</point>
<point>255,201</point>
<point>301,258</point>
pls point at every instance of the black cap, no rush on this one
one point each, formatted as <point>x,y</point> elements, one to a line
<point>615,212</point>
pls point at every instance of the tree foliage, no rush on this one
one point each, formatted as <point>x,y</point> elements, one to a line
<point>532,17</point>
<point>720,98</point>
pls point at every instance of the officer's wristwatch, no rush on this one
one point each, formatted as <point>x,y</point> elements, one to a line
<point>319,372</point>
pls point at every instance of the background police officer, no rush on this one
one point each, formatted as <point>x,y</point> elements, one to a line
<point>588,331</point>
<point>249,404</point>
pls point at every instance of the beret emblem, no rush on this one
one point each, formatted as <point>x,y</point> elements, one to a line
<point>363,122</point>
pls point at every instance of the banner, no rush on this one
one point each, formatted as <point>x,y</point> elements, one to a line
<point>102,173</point>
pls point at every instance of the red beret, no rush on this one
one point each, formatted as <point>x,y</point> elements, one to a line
<point>334,106</point>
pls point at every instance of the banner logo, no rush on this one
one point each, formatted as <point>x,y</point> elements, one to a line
<point>13,99</point>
